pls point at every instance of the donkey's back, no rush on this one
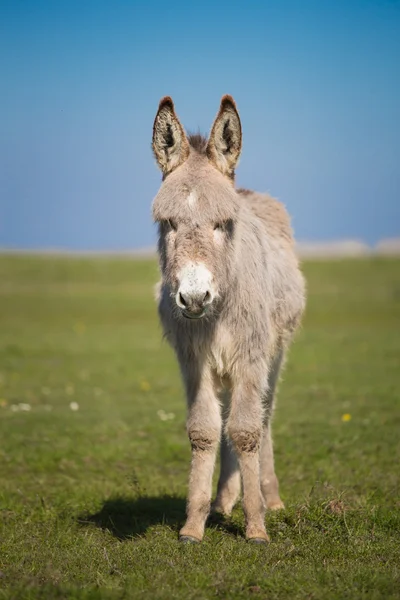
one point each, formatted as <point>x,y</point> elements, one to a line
<point>280,288</point>
<point>272,214</point>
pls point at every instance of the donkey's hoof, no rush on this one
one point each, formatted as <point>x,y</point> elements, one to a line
<point>188,539</point>
<point>218,509</point>
<point>278,505</point>
<point>258,540</point>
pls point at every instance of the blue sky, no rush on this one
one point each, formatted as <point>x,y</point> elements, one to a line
<point>317,85</point>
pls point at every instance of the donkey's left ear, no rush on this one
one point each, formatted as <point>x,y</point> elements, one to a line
<point>225,141</point>
<point>170,144</point>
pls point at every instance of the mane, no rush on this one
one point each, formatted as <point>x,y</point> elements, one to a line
<point>244,192</point>
<point>198,142</point>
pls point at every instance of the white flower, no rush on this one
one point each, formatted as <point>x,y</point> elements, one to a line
<point>74,406</point>
<point>165,416</point>
<point>26,407</point>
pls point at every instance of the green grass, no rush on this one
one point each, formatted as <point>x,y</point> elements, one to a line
<point>91,500</point>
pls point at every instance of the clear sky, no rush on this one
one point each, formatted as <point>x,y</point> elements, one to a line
<point>317,85</point>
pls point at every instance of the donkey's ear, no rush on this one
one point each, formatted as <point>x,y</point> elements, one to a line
<point>170,144</point>
<point>225,141</point>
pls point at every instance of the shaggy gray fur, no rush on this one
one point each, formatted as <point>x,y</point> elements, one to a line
<point>229,359</point>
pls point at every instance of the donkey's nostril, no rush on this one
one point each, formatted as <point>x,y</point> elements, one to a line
<point>194,301</point>
<point>207,298</point>
<point>182,300</point>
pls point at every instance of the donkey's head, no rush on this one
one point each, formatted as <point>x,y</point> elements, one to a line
<point>197,207</point>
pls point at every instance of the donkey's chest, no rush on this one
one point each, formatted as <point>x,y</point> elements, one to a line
<point>222,352</point>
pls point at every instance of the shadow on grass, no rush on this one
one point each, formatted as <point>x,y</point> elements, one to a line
<point>126,518</point>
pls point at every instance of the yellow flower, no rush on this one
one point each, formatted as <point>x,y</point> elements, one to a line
<point>79,327</point>
<point>346,417</point>
<point>3,402</point>
<point>144,386</point>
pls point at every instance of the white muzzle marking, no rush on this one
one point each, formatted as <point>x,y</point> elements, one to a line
<point>195,287</point>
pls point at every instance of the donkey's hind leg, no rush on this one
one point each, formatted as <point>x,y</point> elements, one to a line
<point>269,481</point>
<point>228,490</point>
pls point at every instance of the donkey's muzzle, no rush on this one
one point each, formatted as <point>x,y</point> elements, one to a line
<point>194,305</point>
<point>195,290</point>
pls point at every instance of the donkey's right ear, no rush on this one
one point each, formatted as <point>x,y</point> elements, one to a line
<point>170,144</point>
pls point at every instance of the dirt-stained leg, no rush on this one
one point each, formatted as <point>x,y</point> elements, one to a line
<point>204,430</point>
<point>244,427</point>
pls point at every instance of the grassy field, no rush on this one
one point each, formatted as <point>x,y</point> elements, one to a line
<point>94,456</point>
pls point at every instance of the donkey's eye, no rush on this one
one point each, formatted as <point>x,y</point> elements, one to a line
<point>225,227</point>
<point>171,224</point>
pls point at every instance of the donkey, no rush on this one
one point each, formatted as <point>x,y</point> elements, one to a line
<point>230,298</point>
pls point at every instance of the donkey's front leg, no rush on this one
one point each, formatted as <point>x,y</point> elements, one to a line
<point>245,430</point>
<point>204,430</point>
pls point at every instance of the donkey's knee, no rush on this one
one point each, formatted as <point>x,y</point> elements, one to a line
<point>245,440</point>
<point>203,440</point>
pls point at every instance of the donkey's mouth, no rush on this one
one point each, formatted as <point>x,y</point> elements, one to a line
<point>192,315</point>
